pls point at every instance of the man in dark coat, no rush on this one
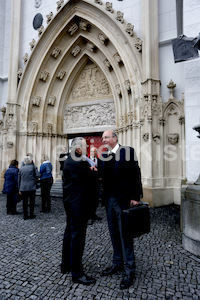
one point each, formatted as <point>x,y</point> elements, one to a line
<point>11,187</point>
<point>77,174</point>
<point>122,188</point>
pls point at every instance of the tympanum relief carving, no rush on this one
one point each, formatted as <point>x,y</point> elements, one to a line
<point>91,84</point>
<point>89,116</point>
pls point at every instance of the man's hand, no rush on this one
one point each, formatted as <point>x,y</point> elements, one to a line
<point>133,203</point>
<point>94,169</point>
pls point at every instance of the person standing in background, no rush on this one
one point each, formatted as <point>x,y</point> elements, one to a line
<point>46,181</point>
<point>94,189</point>
<point>10,187</point>
<point>28,174</point>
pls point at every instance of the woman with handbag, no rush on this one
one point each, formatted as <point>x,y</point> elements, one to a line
<point>46,181</point>
<point>11,187</point>
<point>28,174</point>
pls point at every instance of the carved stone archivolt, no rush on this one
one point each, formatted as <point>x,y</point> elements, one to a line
<point>103,39</point>
<point>49,17</point>
<point>73,28</point>
<point>56,52</point>
<point>88,116</point>
<point>98,2</point>
<point>91,47</point>
<point>36,101</point>
<point>118,90</point>
<point>120,16</point>
<point>84,25</point>
<point>138,44</point>
<point>173,138</point>
<point>91,84</point>
<point>19,73</point>
<point>127,86</point>
<point>61,74</point>
<point>51,100</point>
<point>108,64</point>
<point>32,44</point>
<point>60,3</point>
<point>25,58</point>
<point>118,59</point>
<point>40,30</point>
<point>109,7</point>
<point>44,75</point>
<point>130,29</point>
<point>76,51</point>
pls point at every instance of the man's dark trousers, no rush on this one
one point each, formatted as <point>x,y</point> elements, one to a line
<point>122,245</point>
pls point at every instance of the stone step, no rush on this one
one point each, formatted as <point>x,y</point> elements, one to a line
<point>56,189</point>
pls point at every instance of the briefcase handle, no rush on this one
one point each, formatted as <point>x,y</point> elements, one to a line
<point>140,203</point>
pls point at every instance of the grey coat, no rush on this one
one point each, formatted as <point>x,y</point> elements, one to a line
<point>28,174</point>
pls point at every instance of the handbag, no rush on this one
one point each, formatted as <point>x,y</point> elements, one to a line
<point>136,220</point>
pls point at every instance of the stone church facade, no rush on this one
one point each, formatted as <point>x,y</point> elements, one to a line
<point>89,70</point>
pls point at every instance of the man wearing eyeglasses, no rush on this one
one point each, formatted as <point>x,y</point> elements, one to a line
<point>122,188</point>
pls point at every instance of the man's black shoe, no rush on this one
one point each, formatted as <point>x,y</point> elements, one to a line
<point>112,270</point>
<point>84,279</point>
<point>126,282</point>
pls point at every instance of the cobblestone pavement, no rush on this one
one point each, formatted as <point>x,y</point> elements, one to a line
<point>30,254</point>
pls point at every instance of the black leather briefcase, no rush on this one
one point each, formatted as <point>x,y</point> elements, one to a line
<point>136,220</point>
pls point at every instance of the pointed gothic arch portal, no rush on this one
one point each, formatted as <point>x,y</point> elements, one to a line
<point>83,76</point>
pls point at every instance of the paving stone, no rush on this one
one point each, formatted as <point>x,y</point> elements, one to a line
<point>31,253</point>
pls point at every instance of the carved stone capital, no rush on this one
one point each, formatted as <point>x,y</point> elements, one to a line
<point>162,121</point>
<point>33,127</point>
<point>48,128</point>
<point>56,51</point>
<point>129,29</point>
<point>181,120</point>
<point>149,119</point>
<point>173,138</point>
<point>120,17</point>
<point>145,137</point>
<point>156,138</point>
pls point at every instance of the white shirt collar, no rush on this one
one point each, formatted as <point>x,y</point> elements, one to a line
<point>114,150</point>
